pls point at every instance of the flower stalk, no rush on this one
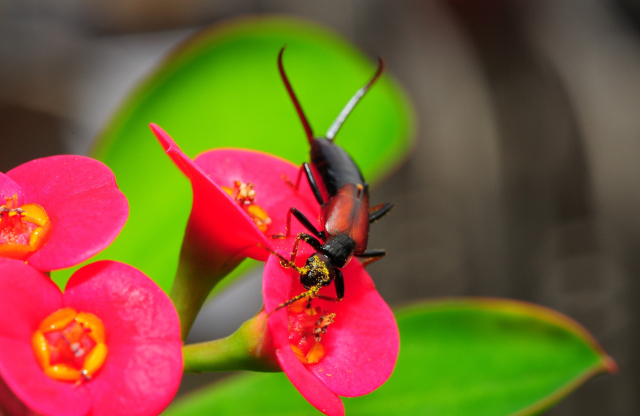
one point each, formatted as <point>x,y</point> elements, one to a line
<point>199,271</point>
<point>249,348</point>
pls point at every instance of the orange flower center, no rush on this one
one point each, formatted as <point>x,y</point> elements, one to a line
<point>306,328</point>
<point>70,345</point>
<point>23,229</point>
<point>244,194</point>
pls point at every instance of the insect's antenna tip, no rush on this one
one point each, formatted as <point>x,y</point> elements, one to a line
<point>333,130</point>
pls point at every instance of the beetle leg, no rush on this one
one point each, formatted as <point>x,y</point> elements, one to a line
<point>379,211</point>
<point>310,178</point>
<point>339,282</point>
<point>291,184</point>
<point>312,183</point>
<point>371,256</point>
<point>283,262</point>
<point>315,244</point>
<point>302,220</point>
<point>310,294</point>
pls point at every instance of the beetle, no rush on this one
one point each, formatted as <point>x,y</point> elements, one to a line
<point>345,216</point>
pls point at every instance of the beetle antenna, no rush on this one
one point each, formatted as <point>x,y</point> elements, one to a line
<point>292,95</point>
<point>353,101</point>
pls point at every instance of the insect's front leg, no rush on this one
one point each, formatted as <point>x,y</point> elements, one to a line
<point>315,244</point>
<point>339,283</point>
<point>310,294</point>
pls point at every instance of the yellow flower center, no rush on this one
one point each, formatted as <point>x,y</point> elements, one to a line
<point>244,194</point>
<point>306,328</point>
<point>23,229</point>
<point>70,345</point>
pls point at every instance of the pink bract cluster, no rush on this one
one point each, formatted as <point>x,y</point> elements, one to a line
<point>110,344</point>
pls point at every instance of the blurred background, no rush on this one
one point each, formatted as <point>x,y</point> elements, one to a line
<point>524,181</point>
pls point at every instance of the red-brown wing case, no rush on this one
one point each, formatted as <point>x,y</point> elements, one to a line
<point>347,212</point>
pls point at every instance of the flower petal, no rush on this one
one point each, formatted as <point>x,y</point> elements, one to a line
<point>215,219</point>
<point>309,385</point>
<point>269,174</point>
<point>276,289</point>
<point>363,342</point>
<point>228,226</point>
<point>361,346</point>
<point>8,188</point>
<point>144,363</point>
<point>26,298</point>
<point>81,198</point>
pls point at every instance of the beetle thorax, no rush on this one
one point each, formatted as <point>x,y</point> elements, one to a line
<point>339,248</point>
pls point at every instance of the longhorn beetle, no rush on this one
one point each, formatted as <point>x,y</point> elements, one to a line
<point>344,216</point>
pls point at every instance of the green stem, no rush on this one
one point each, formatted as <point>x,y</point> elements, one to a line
<point>198,273</point>
<point>249,348</point>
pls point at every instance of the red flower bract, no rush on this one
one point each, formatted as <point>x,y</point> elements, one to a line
<point>143,366</point>
<point>218,221</point>
<point>83,204</point>
<point>360,346</point>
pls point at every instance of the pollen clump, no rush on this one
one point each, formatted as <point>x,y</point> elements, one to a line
<point>306,328</point>
<point>244,194</point>
<point>70,346</point>
<point>23,229</point>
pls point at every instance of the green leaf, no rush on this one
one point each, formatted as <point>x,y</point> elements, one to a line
<point>222,89</point>
<point>457,357</point>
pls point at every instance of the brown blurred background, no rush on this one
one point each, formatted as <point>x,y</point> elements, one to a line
<point>524,182</point>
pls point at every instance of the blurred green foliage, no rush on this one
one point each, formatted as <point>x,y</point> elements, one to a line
<point>221,88</point>
<point>457,358</point>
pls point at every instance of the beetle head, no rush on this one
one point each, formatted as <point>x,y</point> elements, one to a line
<point>318,271</point>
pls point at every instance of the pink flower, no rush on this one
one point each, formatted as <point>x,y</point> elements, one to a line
<point>109,345</point>
<point>347,348</point>
<point>228,225</point>
<point>58,211</point>
<point>223,223</point>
